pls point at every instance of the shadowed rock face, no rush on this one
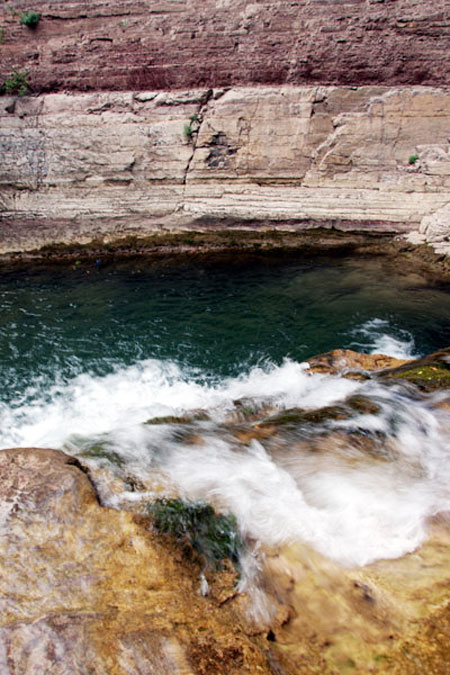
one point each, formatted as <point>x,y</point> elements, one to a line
<point>181,43</point>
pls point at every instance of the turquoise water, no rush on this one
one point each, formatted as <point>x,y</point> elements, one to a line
<point>90,354</point>
<point>219,318</point>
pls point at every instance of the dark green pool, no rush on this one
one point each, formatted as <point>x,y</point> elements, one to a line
<point>220,318</point>
<point>89,354</point>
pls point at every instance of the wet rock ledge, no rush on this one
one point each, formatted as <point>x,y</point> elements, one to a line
<point>89,589</point>
<point>85,588</point>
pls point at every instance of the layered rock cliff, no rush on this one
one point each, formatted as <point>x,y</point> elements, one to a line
<point>81,166</point>
<point>299,152</point>
<point>180,44</point>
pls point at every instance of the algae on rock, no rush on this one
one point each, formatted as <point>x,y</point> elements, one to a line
<point>201,532</point>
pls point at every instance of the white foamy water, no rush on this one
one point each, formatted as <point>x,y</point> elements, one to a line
<point>90,405</point>
<point>381,340</point>
<point>348,504</point>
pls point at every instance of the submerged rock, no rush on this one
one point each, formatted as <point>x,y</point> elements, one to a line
<point>194,416</point>
<point>296,417</point>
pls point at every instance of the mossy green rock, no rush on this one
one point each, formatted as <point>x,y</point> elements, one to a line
<point>429,374</point>
<point>169,419</point>
<point>298,416</point>
<point>101,451</point>
<point>198,529</point>
<point>198,416</point>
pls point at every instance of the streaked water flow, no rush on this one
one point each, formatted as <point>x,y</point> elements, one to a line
<point>89,355</point>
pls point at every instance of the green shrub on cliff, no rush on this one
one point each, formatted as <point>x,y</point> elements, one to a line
<point>198,529</point>
<point>188,132</point>
<point>30,19</point>
<point>413,159</point>
<point>16,83</point>
<point>191,128</point>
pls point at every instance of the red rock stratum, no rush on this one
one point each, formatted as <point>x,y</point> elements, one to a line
<point>174,44</point>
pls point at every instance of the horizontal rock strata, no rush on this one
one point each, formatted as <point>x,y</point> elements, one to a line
<point>76,167</point>
<point>148,44</point>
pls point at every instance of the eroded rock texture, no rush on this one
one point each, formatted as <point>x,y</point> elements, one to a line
<point>105,165</point>
<point>146,44</point>
<point>388,617</point>
<point>85,589</point>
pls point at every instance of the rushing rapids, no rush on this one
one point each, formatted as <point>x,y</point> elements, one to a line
<point>193,383</point>
<point>356,482</point>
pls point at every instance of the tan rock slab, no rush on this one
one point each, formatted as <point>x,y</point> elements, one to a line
<point>87,589</point>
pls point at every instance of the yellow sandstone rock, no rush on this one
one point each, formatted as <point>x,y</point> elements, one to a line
<point>89,589</point>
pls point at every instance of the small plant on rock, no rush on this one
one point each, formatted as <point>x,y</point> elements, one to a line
<point>188,132</point>
<point>413,159</point>
<point>192,128</point>
<point>198,529</point>
<point>16,83</point>
<point>30,19</point>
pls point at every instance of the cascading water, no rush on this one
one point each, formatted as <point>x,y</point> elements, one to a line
<point>169,384</point>
<point>356,489</point>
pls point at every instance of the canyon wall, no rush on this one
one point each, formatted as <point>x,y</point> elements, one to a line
<point>298,114</point>
<point>109,164</point>
<point>181,44</point>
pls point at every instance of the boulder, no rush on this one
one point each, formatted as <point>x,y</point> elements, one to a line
<point>88,589</point>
